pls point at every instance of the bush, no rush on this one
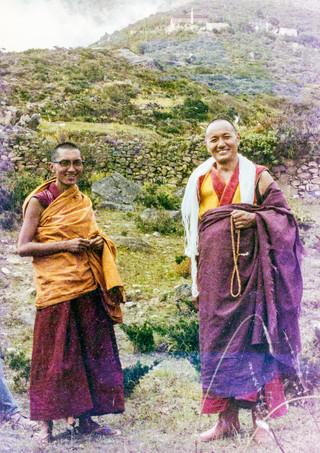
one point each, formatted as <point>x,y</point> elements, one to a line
<point>182,336</point>
<point>260,147</point>
<point>163,223</point>
<point>133,374</point>
<point>182,266</point>
<point>192,109</point>
<point>21,185</point>
<point>155,196</point>
<point>140,335</point>
<point>21,365</point>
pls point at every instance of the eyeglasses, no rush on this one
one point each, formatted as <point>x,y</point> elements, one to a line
<point>78,163</point>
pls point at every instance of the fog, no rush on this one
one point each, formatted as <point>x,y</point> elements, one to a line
<point>26,24</point>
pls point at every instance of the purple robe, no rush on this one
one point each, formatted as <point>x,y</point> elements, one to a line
<point>246,342</point>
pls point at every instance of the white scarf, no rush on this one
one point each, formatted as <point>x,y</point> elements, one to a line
<point>190,206</point>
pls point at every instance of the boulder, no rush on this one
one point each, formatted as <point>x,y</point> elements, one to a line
<point>117,192</point>
<point>135,244</point>
<point>153,214</point>
<point>175,215</point>
<point>150,215</point>
<point>182,292</point>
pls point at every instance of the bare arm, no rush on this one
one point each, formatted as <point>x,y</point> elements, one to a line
<point>264,182</point>
<point>243,219</point>
<point>26,246</point>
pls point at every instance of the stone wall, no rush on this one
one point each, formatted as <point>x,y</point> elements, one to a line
<point>303,177</point>
<point>167,161</point>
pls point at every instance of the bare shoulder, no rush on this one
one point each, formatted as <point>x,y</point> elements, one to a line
<point>34,209</point>
<point>264,181</point>
<point>34,205</point>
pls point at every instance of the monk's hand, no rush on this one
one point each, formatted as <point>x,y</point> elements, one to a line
<point>243,219</point>
<point>78,245</point>
<point>97,244</point>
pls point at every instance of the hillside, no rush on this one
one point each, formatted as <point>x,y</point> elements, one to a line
<point>269,48</point>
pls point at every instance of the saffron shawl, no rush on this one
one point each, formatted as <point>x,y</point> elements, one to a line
<point>64,276</point>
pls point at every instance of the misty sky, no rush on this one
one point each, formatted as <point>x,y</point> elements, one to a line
<point>28,24</point>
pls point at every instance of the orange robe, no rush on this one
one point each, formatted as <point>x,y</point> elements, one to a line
<point>64,275</point>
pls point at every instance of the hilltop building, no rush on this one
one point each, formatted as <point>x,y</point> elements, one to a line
<point>273,26</point>
<point>196,23</point>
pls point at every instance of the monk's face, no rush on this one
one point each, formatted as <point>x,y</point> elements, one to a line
<point>67,167</point>
<point>222,142</point>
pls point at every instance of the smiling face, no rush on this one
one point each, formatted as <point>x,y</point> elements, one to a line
<point>67,175</point>
<point>222,141</point>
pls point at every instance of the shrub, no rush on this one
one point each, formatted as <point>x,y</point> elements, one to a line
<point>192,109</point>
<point>21,185</point>
<point>183,266</point>
<point>163,223</point>
<point>155,196</point>
<point>141,336</point>
<point>133,374</point>
<point>21,365</point>
<point>261,147</point>
<point>182,335</point>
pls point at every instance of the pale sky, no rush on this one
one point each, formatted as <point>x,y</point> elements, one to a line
<point>26,24</point>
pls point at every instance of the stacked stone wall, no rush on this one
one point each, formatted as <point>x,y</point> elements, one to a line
<point>22,149</point>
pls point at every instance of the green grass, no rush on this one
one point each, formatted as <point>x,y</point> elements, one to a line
<point>152,272</point>
<point>114,129</point>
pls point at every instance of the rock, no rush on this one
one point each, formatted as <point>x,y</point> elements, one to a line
<point>138,60</point>
<point>115,206</point>
<point>5,271</point>
<point>131,304</point>
<point>117,190</point>
<point>312,187</point>
<point>132,243</point>
<point>24,120</point>
<point>8,117</point>
<point>150,215</point>
<point>176,215</point>
<point>304,175</point>
<point>34,121</point>
<point>182,291</point>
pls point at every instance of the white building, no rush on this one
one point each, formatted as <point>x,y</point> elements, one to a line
<point>288,32</point>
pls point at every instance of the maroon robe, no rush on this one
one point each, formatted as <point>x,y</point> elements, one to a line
<point>238,358</point>
<point>75,366</point>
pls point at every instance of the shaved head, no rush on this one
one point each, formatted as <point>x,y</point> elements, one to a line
<point>221,122</point>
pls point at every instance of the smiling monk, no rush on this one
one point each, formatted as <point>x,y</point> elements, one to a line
<point>245,253</point>
<point>75,369</point>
